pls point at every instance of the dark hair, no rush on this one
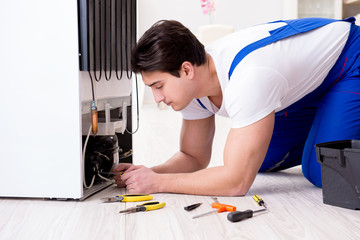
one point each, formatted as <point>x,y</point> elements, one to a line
<point>165,46</point>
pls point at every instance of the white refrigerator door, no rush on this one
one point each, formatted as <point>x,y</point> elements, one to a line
<point>40,129</point>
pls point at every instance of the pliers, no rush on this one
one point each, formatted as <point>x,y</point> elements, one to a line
<point>128,198</point>
<point>148,206</point>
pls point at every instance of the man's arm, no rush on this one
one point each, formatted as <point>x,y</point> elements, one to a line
<point>245,150</point>
<point>195,152</point>
<point>196,139</point>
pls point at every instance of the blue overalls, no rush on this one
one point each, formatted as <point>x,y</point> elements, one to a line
<point>331,112</point>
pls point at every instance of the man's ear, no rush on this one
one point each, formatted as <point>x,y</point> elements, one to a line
<point>188,69</point>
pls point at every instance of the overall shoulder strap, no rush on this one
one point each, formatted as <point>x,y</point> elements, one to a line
<point>291,28</point>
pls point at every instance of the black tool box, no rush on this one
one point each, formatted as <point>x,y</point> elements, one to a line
<point>340,172</point>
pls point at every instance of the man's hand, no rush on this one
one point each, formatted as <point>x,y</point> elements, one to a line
<point>120,168</point>
<point>137,179</point>
<point>140,179</point>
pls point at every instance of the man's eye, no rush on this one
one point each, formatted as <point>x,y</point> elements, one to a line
<point>158,87</point>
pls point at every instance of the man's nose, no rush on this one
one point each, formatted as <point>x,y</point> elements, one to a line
<point>158,96</point>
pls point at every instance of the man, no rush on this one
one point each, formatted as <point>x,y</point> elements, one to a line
<point>286,86</point>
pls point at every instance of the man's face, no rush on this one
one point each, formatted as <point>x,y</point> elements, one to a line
<point>173,91</point>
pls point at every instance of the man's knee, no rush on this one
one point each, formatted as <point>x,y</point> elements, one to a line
<point>312,173</point>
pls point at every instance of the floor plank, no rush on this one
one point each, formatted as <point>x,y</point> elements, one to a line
<point>296,210</point>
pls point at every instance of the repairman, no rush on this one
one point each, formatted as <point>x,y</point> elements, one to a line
<point>285,85</point>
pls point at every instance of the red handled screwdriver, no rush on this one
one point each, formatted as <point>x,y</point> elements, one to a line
<point>219,208</point>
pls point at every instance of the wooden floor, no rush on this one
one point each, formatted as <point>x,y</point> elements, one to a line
<point>295,206</point>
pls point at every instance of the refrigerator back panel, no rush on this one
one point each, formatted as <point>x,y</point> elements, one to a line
<point>107,31</point>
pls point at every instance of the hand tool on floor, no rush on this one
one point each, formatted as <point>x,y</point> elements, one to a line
<point>148,206</point>
<point>241,215</point>
<point>259,201</point>
<point>128,198</point>
<point>192,207</point>
<point>219,208</point>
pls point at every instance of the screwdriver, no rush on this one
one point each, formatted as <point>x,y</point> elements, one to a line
<point>241,215</point>
<point>192,207</point>
<point>259,201</point>
<point>112,173</point>
<point>219,208</point>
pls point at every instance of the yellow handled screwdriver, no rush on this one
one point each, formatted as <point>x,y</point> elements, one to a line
<point>259,201</point>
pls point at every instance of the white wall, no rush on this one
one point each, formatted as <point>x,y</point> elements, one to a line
<point>238,13</point>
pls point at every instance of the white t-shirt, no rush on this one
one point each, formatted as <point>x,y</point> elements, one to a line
<point>272,77</point>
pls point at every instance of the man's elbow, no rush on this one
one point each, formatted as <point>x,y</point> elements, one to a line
<point>198,162</point>
<point>239,188</point>
<point>239,191</point>
<point>204,163</point>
